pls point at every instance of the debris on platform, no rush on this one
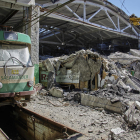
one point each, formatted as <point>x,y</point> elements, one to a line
<point>57,92</point>
<point>115,133</point>
<point>107,84</point>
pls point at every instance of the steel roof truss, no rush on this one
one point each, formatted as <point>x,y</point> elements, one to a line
<point>87,22</point>
<point>72,12</point>
<point>110,19</point>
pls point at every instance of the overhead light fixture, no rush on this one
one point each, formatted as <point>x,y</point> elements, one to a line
<point>63,43</point>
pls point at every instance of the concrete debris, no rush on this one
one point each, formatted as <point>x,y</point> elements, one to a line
<point>43,92</point>
<point>132,115</point>
<point>117,131</point>
<point>51,80</point>
<point>107,84</point>
<point>87,69</point>
<point>135,52</point>
<point>137,105</point>
<point>96,125</point>
<point>49,65</point>
<point>38,87</point>
<point>56,92</point>
<point>123,58</point>
<point>79,69</point>
<point>101,102</point>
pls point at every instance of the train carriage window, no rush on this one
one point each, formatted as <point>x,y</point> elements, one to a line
<point>21,53</point>
<point>10,36</point>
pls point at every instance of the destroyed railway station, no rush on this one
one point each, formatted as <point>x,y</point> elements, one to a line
<point>69,70</point>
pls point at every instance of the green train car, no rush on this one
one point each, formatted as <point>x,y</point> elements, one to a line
<point>16,68</point>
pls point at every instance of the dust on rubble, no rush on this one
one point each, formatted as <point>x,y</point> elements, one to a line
<point>105,101</point>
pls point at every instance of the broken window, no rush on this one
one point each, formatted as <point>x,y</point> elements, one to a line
<point>14,55</point>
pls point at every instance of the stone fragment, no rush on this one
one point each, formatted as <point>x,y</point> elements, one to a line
<point>135,52</point>
<point>57,92</point>
<point>130,116</point>
<point>116,99</point>
<point>138,128</point>
<point>137,104</point>
<point>117,131</point>
<point>43,92</point>
<point>49,65</point>
<point>90,131</point>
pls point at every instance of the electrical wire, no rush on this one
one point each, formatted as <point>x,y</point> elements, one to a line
<point>41,17</point>
<point>124,6</point>
<point>122,3</point>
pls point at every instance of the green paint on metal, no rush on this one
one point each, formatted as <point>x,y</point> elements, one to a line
<point>36,73</point>
<point>22,38</point>
<point>15,87</point>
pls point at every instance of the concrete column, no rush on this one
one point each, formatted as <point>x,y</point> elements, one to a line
<point>33,32</point>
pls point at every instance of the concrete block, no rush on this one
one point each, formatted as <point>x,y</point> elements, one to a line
<point>114,107</point>
<point>85,99</point>
<point>135,52</point>
<point>93,101</point>
<point>56,92</point>
<point>117,131</point>
<point>137,104</point>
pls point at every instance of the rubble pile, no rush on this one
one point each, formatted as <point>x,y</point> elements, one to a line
<point>84,68</point>
<point>123,58</point>
<point>85,63</point>
<point>111,84</point>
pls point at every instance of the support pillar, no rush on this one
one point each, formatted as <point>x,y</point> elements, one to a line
<point>33,32</point>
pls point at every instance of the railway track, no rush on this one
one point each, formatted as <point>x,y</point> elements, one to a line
<point>32,126</point>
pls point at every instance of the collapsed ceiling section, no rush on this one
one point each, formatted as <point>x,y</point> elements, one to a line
<point>83,24</point>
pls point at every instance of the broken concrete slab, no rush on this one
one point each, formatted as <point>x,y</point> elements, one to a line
<point>49,65</point>
<point>137,104</point>
<point>93,101</point>
<point>56,92</point>
<point>117,131</point>
<point>135,52</point>
<point>123,58</point>
<point>81,66</point>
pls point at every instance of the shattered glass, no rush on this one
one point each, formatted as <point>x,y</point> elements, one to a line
<point>21,53</point>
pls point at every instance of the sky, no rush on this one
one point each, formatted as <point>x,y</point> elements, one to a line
<point>132,6</point>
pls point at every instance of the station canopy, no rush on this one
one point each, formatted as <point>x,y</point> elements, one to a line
<point>80,22</point>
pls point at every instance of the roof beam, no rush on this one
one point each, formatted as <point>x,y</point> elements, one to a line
<point>10,15</point>
<point>125,28</point>
<point>26,3</point>
<point>94,14</point>
<point>94,4</point>
<point>89,24</point>
<point>11,6</point>
<point>72,12</point>
<point>58,43</point>
<point>110,19</point>
<point>57,37</point>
